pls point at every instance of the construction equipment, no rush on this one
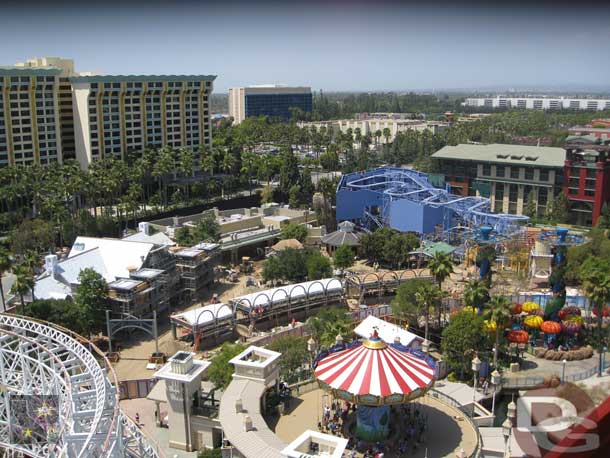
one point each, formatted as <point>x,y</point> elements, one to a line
<point>246,265</point>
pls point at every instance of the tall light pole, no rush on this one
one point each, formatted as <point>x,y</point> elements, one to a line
<point>496,379</point>
<point>563,371</point>
<point>476,365</point>
<point>507,427</point>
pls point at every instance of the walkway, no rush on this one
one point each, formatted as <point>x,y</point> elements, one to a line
<point>534,370</point>
<point>260,441</point>
<point>446,435</point>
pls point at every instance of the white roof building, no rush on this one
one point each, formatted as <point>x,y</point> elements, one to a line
<point>111,258</point>
<point>387,331</point>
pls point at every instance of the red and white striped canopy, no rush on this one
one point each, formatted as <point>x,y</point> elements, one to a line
<point>374,373</point>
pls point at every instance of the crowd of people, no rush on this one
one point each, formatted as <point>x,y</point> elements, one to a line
<point>411,421</point>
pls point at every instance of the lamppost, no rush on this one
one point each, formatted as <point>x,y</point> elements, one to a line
<point>602,361</point>
<point>563,371</point>
<point>496,379</point>
<point>312,346</point>
<point>476,365</point>
<point>507,427</point>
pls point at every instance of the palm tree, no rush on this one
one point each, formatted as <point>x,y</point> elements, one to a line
<point>186,165</point>
<point>377,138</point>
<point>441,267</point>
<point>595,276</point>
<point>427,297</point>
<point>498,312</point>
<point>476,294</point>
<point>386,134</point>
<point>5,265</point>
<point>24,282</point>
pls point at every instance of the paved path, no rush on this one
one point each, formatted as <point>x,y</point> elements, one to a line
<point>445,434</point>
<point>159,436</point>
<point>539,367</point>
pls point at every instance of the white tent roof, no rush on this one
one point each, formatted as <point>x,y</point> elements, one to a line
<point>204,315</point>
<point>295,291</point>
<point>387,331</point>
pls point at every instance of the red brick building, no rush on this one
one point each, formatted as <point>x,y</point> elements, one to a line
<point>587,176</point>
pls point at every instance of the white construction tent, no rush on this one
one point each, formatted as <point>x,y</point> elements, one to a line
<point>208,316</point>
<point>298,293</point>
<point>388,332</point>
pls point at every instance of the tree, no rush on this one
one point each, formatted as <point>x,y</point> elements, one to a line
<point>463,335</point>
<point>529,209</point>
<point>289,171</point>
<point>32,235</point>
<point>210,453</point>
<point>476,294</point>
<point>294,353</point>
<point>414,298</point>
<point>220,371</point>
<point>499,312</point>
<point>24,282</point>
<point>5,266</point>
<point>289,264</point>
<point>294,231</point>
<point>558,209</point>
<point>343,257</point>
<point>595,276</point>
<point>327,324</point>
<point>318,266</point>
<point>92,299</point>
<point>62,312</point>
<point>183,236</point>
<point>441,267</point>
<point>207,229</point>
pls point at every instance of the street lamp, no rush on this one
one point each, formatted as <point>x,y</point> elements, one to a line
<point>563,371</point>
<point>476,365</point>
<point>602,361</point>
<point>496,379</point>
<point>507,427</point>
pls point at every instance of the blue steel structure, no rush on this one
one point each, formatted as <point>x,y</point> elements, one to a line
<point>405,200</point>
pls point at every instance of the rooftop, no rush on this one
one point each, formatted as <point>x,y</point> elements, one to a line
<point>139,78</point>
<point>541,156</point>
<point>30,71</point>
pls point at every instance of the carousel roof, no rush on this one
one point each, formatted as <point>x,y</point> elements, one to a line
<point>375,373</point>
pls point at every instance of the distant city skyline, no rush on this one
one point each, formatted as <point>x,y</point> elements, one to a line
<point>339,45</point>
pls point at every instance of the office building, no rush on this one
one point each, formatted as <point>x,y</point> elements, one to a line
<point>268,100</point>
<point>507,174</point>
<point>36,112</point>
<point>587,172</point>
<point>117,114</point>
<point>538,103</point>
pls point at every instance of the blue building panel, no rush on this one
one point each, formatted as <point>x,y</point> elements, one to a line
<point>405,200</point>
<point>276,105</point>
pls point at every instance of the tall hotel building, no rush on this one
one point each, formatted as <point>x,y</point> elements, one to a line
<point>268,100</point>
<point>49,113</point>
<point>118,114</point>
<point>36,112</point>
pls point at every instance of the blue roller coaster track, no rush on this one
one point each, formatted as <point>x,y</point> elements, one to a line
<point>394,184</point>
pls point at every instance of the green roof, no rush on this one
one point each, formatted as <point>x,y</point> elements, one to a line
<point>29,71</point>
<point>538,156</point>
<point>139,78</point>
<point>438,247</point>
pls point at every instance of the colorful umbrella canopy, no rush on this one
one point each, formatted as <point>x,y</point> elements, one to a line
<point>579,320</point>
<point>550,327</point>
<point>518,336</point>
<point>470,309</point>
<point>528,307</point>
<point>490,326</point>
<point>374,373</point>
<point>533,321</point>
<point>516,308</point>
<point>568,311</point>
<point>570,327</point>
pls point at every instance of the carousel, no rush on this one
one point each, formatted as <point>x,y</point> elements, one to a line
<point>374,375</point>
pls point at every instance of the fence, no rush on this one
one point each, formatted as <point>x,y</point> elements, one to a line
<point>382,310</point>
<point>532,381</point>
<point>134,389</point>
<point>298,331</point>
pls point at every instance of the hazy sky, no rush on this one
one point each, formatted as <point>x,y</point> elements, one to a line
<point>332,45</point>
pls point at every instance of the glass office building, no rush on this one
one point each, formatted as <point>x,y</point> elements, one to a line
<point>272,101</point>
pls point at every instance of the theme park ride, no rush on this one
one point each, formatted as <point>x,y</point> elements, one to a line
<point>374,375</point>
<point>55,398</point>
<point>405,200</point>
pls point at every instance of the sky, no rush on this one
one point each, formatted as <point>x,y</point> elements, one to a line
<point>336,45</point>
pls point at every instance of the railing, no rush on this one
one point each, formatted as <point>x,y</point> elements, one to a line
<point>445,399</point>
<point>532,381</point>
